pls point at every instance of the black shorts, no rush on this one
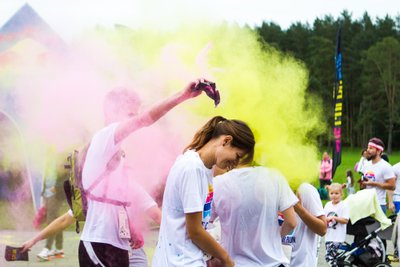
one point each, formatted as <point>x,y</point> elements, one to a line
<point>109,255</point>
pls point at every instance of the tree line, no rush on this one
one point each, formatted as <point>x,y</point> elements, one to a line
<point>371,72</point>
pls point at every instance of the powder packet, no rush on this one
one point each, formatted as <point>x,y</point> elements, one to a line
<point>15,254</point>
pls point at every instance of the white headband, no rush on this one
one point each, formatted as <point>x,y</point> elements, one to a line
<point>376,146</point>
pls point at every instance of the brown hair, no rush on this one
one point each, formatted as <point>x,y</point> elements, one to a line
<point>242,136</point>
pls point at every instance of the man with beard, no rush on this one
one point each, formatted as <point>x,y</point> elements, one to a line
<point>379,173</point>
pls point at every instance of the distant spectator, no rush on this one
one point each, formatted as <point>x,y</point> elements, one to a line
<point>363,160</point>
<point>325,171</point>
<point>350,183</point>
<point>360,165</point>
<point>53,197</point>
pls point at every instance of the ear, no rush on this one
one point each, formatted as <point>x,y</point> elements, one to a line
<point>227,139</point>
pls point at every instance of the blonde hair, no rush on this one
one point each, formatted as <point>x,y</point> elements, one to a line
<point>335,186</point>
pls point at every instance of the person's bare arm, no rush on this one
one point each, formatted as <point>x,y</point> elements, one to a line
<point>316,224</point>
<point>290,221</point>
<point>54,227</point>
<point>204,240</point>
<point>389,184</point>
<point>390,200</point>
<point>155,112</point>
<point>341,220</point>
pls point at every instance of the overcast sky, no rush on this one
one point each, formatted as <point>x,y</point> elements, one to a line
<point>70,17</point>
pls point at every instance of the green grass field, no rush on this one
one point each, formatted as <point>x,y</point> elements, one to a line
<point>21,216</point>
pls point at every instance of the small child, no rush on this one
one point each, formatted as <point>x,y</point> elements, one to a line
<point>350,183</point>
<point>337,216</point>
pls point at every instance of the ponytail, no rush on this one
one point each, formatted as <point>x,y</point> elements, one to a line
<point>205,134</point>
<point>242,136</point>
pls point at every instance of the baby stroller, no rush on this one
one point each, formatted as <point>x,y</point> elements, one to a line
<point>368,248</point>
<point>369,226</point>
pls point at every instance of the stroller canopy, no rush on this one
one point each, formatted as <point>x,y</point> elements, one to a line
<point>365,203</point>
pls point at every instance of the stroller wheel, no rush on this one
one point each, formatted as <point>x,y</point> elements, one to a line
<point>382,264</point>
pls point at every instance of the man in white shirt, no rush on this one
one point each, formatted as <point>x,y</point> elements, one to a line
<point>109,224</point>
<point>379,174</point>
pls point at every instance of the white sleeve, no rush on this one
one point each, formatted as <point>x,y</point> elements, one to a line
<point>287,197</point>
<point>396,170</point>
<point>191,191</point>
<point>103,143</point>
<point>388,173</point>
<point>310,199</point>
<point>145,200</point>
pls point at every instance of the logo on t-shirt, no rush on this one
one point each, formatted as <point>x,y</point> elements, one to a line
<point>333,223</point>
<point>281,218</point>
<point>207,206</point>
<point>289,239</point>
<point>370,175</point>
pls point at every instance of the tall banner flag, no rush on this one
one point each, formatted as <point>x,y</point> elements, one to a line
<point>338,104</point>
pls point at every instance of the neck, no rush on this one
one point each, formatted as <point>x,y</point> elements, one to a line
<point>207,155</point>
<point>375,160</point>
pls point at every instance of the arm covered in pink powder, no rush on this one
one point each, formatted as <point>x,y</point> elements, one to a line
<point>155,112</point>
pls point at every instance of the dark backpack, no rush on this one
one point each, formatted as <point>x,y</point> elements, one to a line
<point>323,193</point>
<point>73,187</point>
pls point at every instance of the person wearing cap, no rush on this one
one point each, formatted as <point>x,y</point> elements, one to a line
<point>379,174</point>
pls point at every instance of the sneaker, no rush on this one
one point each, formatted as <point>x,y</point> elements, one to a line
<point>44,255</point>
<point>58,253</point>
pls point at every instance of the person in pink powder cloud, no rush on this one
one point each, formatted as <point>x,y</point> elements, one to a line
<point>144,206</point>
<point>104,239</point>
<point>188,195</point>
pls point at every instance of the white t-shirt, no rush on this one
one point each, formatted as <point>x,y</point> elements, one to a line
<point>247,201</point>
<point>188,190</point>
<point>396,170</point>
<point>379,172</point>
<point>303,240</point>
<point>336,232</point>
<point>101,223</point>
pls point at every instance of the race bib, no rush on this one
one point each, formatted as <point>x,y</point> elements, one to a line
<point>123,223</point>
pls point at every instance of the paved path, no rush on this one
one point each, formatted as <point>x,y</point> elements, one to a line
<point>71,241</point>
